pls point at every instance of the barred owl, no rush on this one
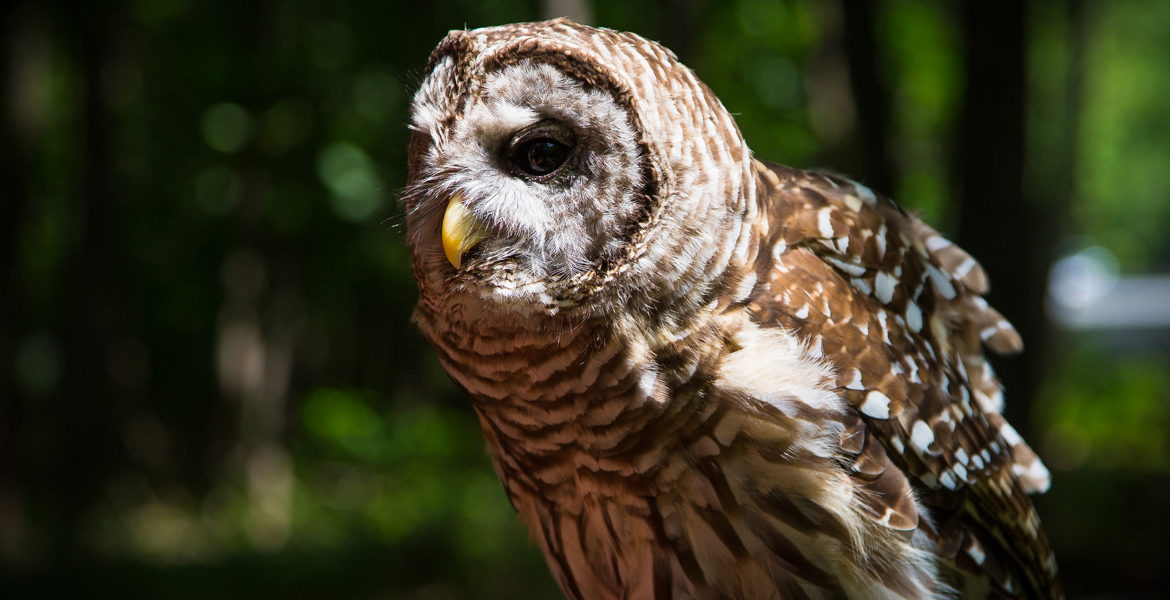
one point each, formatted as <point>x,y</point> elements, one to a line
<point>700,375</point>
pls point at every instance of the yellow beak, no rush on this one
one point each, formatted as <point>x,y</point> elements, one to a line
<point>461,230</point>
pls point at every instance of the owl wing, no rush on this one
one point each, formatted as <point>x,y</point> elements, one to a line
<point>897,310</point>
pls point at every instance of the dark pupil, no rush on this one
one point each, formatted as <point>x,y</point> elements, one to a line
<point>541,156</point>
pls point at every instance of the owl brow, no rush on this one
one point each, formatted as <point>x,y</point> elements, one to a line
<point>578,66</point>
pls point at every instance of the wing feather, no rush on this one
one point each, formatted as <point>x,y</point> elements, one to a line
<point>898,311</point>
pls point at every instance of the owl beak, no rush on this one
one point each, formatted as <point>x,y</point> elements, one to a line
<point>461,230</point>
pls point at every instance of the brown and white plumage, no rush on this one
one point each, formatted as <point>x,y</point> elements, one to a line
<point>700,375</point>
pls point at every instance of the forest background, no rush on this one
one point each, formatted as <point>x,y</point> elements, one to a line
<point>209,383</point>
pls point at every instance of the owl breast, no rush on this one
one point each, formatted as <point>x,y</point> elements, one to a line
<point>698,462</point>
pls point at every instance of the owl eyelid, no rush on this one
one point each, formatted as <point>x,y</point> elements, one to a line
<point>554,130</point>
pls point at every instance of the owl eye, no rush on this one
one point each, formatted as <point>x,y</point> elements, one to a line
<point>539,156</point>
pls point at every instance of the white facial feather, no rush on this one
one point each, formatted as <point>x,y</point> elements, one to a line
<point>550,228</point>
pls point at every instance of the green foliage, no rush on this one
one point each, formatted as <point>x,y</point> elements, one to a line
<point>392,472</point>
<point>1106,412</point>
<point>1124,154</point>
<point>927,87</point>
<point>751,54</point>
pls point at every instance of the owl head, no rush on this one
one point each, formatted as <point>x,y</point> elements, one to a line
<point>556,167</point>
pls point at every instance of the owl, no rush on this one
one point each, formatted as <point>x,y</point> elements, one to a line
<point>701,375</point>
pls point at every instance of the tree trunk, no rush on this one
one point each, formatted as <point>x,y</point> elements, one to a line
<point>870,96</point>
<point>996,223</point>
<point>15,149</point>
<point>85,431</point>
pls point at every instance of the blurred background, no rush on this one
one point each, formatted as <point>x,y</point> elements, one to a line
<point>209,384</point>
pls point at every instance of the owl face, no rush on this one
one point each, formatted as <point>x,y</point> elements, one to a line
<point>536,180</point>
<point>556,167</point>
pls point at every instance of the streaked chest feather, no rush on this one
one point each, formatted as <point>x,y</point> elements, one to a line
<point>714,473</point>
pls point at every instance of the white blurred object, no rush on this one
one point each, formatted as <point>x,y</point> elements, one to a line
<point>1085,292</point>
<point>1084,278</point>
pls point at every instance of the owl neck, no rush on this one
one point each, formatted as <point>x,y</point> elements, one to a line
<point>586,380</point>
<point>547,384</point>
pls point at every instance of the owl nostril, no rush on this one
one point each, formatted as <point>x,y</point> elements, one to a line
<point>540,156</point>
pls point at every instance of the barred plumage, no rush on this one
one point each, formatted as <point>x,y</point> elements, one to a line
<point>700,375</point>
